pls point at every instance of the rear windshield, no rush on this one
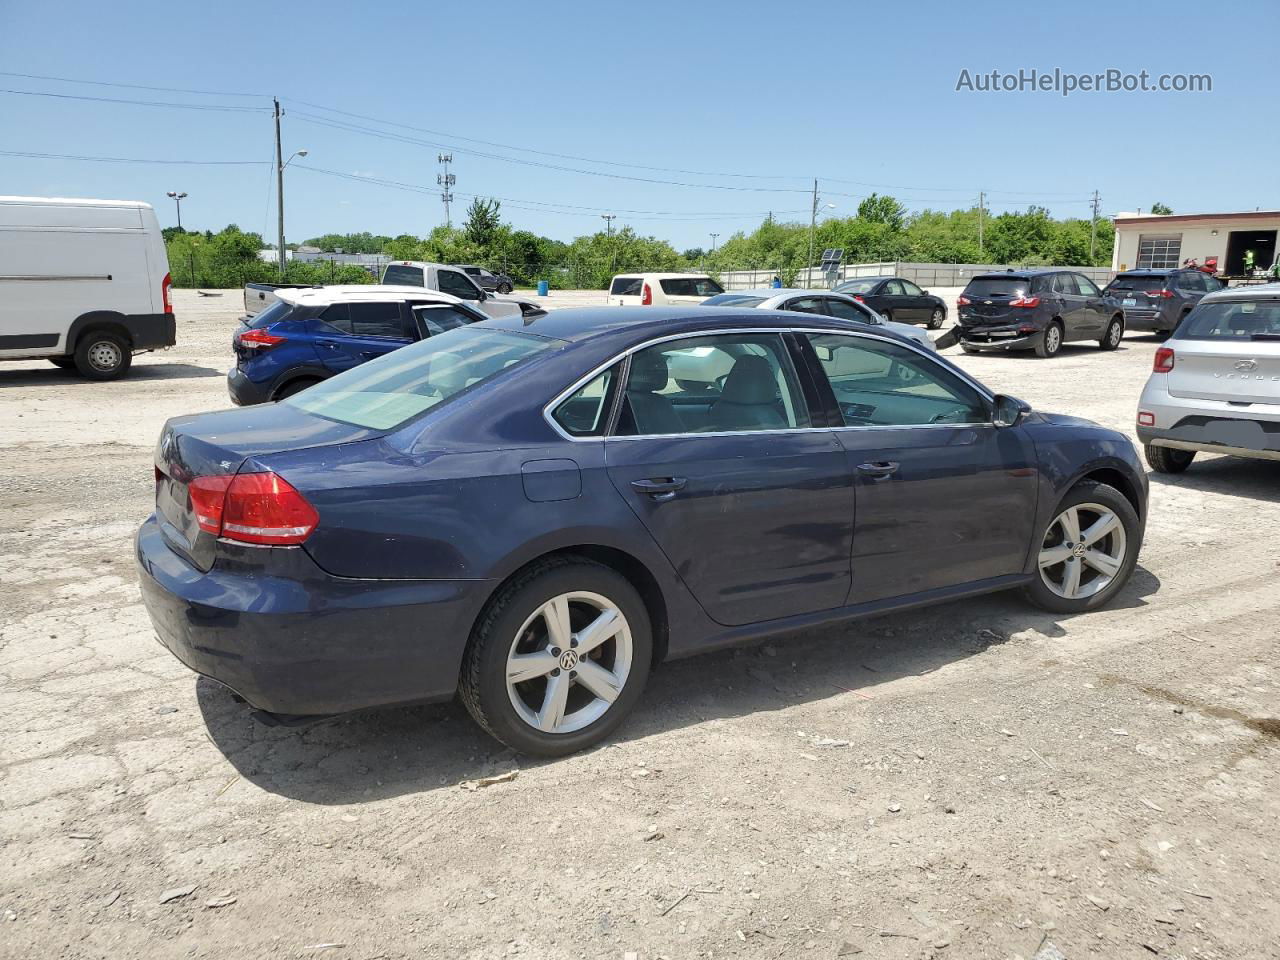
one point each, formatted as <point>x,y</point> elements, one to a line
<point>733,300</point>
<point>1233,320</point>
<point>399,275</point>
<point>1139,283</point>
<point>857,286</point>
<point>690,287</point>
<point>997,287</point>
<point>393,389</point>
<point>277,311</point>
<point>626,286</point>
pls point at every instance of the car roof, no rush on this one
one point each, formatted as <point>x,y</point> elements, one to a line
<point>1247,292</point>
<point>769,293</point>
<point>1151,272</point>
<point>1026,273</point>
<point>663,276</point>
<point>887,276</point>
<point>355,292</point>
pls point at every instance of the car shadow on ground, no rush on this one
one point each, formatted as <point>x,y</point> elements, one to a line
<point>1228,476</point>
<point>65,378</point>
<point>396,751</point>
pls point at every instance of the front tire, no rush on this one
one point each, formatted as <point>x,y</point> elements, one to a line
<point>1115,333</point>
<point>1088,550</point>
<point>101,355</point>
<point>558,658</point>
<point>504,288</point>
<point>1050,341</point>
<point>936,319</point>
<point>1167,459</point>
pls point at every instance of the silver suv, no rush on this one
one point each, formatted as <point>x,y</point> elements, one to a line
<point>1215,385</point>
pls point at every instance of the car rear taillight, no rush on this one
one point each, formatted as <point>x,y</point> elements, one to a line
<point>963,301</point>
<point>1146,419</point>
<point>261,508</point>
<point>1162,294</point>
<point>258,340</point>
<point>1026,328</point>
<point>1025,302</point>
<point>1164,360</point>
<point>858,297</point>
<point>165,286</point>
<point>646,296</point>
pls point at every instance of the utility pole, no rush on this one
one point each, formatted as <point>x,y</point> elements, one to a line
<point>608,219</point>
<point>813,225</point>
<point>982,211</point>
<point>279,190</point>
<point>1093,227</point>
<point>714,238</point>
<point>177,199</point>
<point>446,181</point>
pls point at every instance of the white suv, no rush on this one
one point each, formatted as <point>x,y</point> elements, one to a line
<point>1215,386</point>
<point>657,289</point>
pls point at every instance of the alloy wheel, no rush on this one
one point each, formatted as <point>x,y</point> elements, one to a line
<point>935,322</point>
<point>1115,333</point>
<point>569,662</point>
<point>1052,339</point>
<point>1083,551</point>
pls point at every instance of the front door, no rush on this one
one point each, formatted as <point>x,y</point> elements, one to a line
<point>715,454</point>
<point>944,497</point>
<point>1096,312</point>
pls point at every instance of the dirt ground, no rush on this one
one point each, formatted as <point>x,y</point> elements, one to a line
<point>980,779</point>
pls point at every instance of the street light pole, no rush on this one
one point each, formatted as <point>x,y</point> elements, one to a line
<point>280,165</point>
<point>714,237</point>
<point>177,199</point>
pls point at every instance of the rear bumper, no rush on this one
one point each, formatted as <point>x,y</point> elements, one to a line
<point>295,640</point>
<point>244,392</point>
<point>1153,320</point>
<point>151,331</point>
<point>997,338</point>
<point>1233,437</point>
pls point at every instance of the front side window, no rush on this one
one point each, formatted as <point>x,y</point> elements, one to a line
<point>583,414</point>
<point>717,384</point>
<point>434,319</point>
<point>391,390</point>
<point>879,384</point>
<point>1086,286</point>
<point>455,284</point>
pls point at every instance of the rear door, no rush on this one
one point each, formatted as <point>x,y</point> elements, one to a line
<point>715,454</point>
<point>626,291</point>
<point>943,496</point>
<point>1071,306</point>
<point>361,331</point>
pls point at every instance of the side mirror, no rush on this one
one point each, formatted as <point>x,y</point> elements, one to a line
<point>1009,411</point>
<point>925,292</point>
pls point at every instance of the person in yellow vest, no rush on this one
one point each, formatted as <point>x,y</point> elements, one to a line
<point>1249,259</point>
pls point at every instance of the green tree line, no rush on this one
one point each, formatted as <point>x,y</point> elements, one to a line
<point>882,230</point>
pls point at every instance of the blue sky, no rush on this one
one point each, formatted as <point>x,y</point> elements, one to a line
<point>861,96</point>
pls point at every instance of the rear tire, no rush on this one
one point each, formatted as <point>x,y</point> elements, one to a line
<point>1090,503</point>
<point>1115,333</point>
<point>295,386</point>
<point>1167,459</point>
<point>102,355</point>
<point>937,319</point>
<point>1050,341</point>
<point>514,624</point>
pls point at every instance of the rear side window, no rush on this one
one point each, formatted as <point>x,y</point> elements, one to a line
<point>398,274</point>
<point>378,320</point>
<point>583,414</point>
<point>277,311</point>
<point>1232,320</point>
<point>690,287</point>
<point>997,287</point>
<point>626,286</point>
<point>338,316</point>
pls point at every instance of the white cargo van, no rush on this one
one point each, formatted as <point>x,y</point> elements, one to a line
<point>83,283</point>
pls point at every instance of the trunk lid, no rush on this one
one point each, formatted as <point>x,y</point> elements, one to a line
<point>1235,371</point>
<point>218,444</point>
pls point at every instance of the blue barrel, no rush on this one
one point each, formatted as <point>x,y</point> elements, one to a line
<point>543,287</point>
<point>776,284</point>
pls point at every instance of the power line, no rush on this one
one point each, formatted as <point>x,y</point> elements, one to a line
<point>131,86</point>
<point>70,156</point>
<point>141,103</point>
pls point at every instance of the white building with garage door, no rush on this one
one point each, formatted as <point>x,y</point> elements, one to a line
<point>1237,240</point>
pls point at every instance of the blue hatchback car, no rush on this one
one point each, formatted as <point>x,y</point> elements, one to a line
<point>311,333</point>
<point>534,512</point>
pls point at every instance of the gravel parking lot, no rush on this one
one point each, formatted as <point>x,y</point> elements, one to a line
<point>967,781</point>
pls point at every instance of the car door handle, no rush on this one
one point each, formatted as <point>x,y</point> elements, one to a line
<point>326,343</point>
<point>659,488</point>
<point>368,354</point>
<point>878,469</point>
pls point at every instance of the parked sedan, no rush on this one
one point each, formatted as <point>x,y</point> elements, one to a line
<point>898,299</point>
<point>826,303</point>
<point>533,513</point>
<point>1036,310</point>
<point>1215,385</point>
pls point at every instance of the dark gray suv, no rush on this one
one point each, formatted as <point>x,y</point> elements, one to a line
<point>1036,310</point>
<point>1157,300</point>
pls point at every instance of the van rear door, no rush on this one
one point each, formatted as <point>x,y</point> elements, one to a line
<point>626,291</point>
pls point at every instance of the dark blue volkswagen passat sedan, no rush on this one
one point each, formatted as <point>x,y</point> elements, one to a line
<point>533,512</point>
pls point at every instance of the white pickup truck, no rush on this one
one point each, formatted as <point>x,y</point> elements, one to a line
<point>453,281</point>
